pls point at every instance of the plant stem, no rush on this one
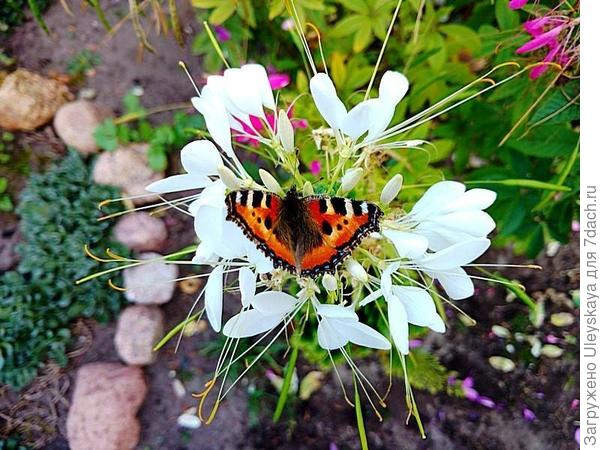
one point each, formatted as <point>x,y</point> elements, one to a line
<point>362,433</point>
<point>287,381</point>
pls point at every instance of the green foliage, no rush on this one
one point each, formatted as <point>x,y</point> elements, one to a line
<point>12,13</point>
<point>79,64</point>
<point>12,443</point>
<point>40,299</point>
<point>162,138</point>
<point>6,141</point>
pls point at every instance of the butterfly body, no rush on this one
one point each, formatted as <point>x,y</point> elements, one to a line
<point>306,235</point>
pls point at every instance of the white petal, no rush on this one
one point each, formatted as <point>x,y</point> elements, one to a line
<point>247,283</point>
<point>217,121</point>
<point>274,302</point>
<point>285,131</point>
<point>419,306</point>
<point>356,123</point>
<point>380,117</point>
<point>356,270</point>
<point>250,323</point>
<point>242,90</point>
<point>262,263</point>
<point>475,223</point>
<point>177,183</point>
<point>440,237</point>
<point>472,199</point>
<point>457,284</point>
<point>409,245</point>
<point>204,254</point>
<point>213,297</point>
<point>325,97</point>
<point>437,197</point>
<point>456,255</point>
<point>261,81</point>
<point>328,337</point>
<point>233,243</point>
<point>371,297</point>
<point>386,278</point>
<point>201,158</point>
<point>393,87</point>
<point>213,195</point>
<point>350,179</point>
<point>437,324</point>
<point>208,224</point>
<point>361,334</point>
<point>336,311</point>
<point>398,324</point>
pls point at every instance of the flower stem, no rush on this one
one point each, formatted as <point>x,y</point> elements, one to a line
<point>362,433</point>
<point>287,381</point>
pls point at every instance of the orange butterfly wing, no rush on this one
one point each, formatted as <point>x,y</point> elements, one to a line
<point>343,223</point>
<point>255,212</point>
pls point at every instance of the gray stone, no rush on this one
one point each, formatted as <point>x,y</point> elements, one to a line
<point>139,328</point>
<point>127,168</point>
<point>141,232</point>
<point>75,123</point>
<point>150,283</point>
<point>103,411</point>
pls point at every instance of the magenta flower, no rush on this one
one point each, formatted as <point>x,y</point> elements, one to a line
<point>552,33</point>
<point>517,4</point>
<point>315,167</point>
<point>256,127</point>
<point>528,415</point>
<point>471,394</point>
<point>223,34</point>
<point>278,80</point>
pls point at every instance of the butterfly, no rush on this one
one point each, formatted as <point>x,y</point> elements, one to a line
<point>304,235</point>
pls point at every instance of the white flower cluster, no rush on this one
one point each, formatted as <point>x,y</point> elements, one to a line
<point>445,230</point>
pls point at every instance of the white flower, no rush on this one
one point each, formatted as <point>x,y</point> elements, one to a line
<point>445,266</point>
<point>200,159</point>
<point>268,310</point>
<point>448,214</point>
<point>391,189</point>
<point>213,297</point>
<point>350,179</point>
<point>406,304</point>
<point>370,116</point>
<point>339,325</point>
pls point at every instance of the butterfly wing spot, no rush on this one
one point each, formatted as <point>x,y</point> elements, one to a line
<point>326,227</point>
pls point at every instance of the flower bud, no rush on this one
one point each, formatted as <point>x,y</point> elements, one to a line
<point>350,179</point>
<point>356,270</point>
<point>228,178</point>
<point>391,189</point>
<point>270,182</point>
<point>329,282</point>
<point>308,189</point>
<point>285,131</point>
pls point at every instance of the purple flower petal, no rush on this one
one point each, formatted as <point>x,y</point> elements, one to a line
<point>577,436</point>
<point>471,394</point>
<point>539,70</point>
<point>528,415</point>
<point>486,401</point>
<point>315,167</point>
<point>547,38</point>
<point>517,4</point>
<point>278,80</point>
<point>223,34</point>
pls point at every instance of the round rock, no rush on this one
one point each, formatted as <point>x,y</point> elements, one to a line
<point>75,123</point>
<point>29,100</point>
<point>127,168</point>
<point>139,328</point>
<point>103,411</point>
<point>150,283</point>
<point>141,232</point>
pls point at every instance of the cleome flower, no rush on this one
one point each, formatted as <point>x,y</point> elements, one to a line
<point>336,254</point>
<point>270,240</point>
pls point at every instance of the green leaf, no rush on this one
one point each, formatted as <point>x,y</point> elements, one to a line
<point>106,135</point>
<point>349,25</point>
<point>222,12</point>
<point>507,18</point>
<point>362,39</point>
<point>359,6</point>
<point>561,106</point>
<point>546,141</point>
<point>157,158</point>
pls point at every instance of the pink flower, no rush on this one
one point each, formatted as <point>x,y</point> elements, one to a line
<point>223,34</point>
<point>577,438</point>
<point>315,167</point>
<point>256,128</point>
<point>528,415</point>
<point>278,80</point>
<point>471,394</point>
<point>517,4</point>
